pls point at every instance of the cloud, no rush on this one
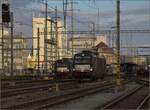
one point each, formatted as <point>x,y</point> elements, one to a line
<point>23,13</point>
<point>129,17</point>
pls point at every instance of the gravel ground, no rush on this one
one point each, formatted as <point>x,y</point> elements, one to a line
<point>93,101</point>
<point>36,95</point>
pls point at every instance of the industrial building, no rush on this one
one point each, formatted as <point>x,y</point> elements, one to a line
<point>82,42</point>
<point>5,32</point>
<point>61,41</point>
<point>20,54</point>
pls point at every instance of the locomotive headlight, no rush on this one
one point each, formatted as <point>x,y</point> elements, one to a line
<point>91,69</point>
<point>67,70</point>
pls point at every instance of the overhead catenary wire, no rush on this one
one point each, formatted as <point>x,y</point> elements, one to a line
<point>30,10</point>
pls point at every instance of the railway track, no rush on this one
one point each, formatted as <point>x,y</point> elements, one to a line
<point>143,82</point>
<point>21,84</point>
<point>144,104</point>
<point>27,83</point>
<point>33,87</point>
<point>30,86</point>
<point>134,99</point>
<point>46,102</point>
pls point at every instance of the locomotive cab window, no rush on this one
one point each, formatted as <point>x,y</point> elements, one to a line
<point>82,59</point>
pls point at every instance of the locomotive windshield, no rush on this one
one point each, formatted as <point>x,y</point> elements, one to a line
<point>79,59</point>
<point>61,63</point>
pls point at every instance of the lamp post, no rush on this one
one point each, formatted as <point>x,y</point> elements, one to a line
<point>93,26</point>
<point>12,37</point>
<point>118,80</point>
<point>2,41</point>
<point>45,37</point>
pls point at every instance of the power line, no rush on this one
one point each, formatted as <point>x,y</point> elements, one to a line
<point>107,31</point>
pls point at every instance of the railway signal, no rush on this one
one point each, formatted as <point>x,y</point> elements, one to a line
<point>5,13</point>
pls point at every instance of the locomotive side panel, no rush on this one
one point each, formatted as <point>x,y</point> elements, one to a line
<point>101,67</point>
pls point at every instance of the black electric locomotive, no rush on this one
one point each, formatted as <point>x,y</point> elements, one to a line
<point>132,69</point>
<point>63,68</point>
<point>88,64</point>
<point>143,71</point>
<point>129,68</point>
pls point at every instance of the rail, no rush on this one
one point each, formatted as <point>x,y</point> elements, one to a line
<point>31,88</point>
<point>126,98</point>
<point>143,102</point>
<point>143,82</point>
<point>61,98</point>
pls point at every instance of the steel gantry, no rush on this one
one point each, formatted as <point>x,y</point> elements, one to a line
<point>104,31</point>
